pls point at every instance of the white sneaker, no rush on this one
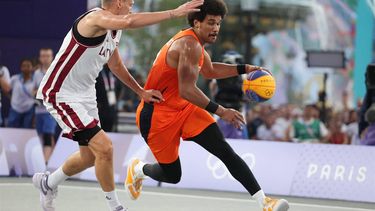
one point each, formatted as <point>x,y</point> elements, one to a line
<point>120,208</point>
<point>133,181</point>
<point>47,195</point>
<point>271,204</point>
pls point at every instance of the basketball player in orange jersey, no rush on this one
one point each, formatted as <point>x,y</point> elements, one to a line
<point>68,91</point>
<point>185,111</point>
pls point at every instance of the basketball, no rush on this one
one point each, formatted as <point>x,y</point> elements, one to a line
<point>259,86</point>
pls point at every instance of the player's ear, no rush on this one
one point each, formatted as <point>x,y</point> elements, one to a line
<point>119,3</point>
<point>197,24</point>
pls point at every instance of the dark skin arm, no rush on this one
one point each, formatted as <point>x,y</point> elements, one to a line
<point>218,70</point>
<point>185,53</point>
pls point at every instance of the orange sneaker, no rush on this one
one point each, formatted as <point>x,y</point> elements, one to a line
<point>275,204</point>
<point>133,183</point>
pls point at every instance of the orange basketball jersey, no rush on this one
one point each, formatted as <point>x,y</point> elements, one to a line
<point>164,78</point>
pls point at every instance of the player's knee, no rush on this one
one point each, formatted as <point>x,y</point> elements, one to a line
<point>106,152</point>
<point>174,178</point>
<point>47,140</point>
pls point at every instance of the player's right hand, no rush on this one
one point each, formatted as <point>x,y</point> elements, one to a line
<point>251,68</point>
<point>232,116</point>
<point>152,96</point>
<point>187,8</point>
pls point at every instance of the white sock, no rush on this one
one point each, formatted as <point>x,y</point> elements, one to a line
<point>112,200</point>
<point>259,197</point>
<point>56,178</point>
<point>139,169</point>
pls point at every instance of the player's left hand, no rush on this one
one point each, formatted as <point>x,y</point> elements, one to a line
<point>232,116</point>
<point>152,96</point>
<point>251,68</point>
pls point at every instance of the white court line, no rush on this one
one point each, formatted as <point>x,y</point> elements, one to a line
<point>192,196</point>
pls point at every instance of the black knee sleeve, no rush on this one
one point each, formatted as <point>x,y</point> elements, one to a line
<point>172,172</point>
<point>47,140</point>
<point>83,137</point>
<point>169,173</point>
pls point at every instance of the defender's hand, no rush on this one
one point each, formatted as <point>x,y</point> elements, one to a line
<point>232,116</point>
<point>152,96</point>
<point>186,8</point>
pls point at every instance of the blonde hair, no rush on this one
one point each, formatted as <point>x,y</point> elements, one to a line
<point>106,2</point>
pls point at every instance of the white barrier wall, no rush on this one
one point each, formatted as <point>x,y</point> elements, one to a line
<point>21,151</point>
<point>309,170</point>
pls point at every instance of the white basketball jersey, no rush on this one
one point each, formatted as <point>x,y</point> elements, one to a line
<point>72,75</point>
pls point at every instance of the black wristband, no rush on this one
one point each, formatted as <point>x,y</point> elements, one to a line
<point>241,69</point>
<point>212,107</point>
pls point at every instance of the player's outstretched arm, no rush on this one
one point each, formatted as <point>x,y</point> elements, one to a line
<point>218,70</point>
<point>118,68</point>
<point>188,72</point>
<point>107,20</point>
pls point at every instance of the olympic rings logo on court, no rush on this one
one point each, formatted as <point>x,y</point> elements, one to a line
<point>220,171</point>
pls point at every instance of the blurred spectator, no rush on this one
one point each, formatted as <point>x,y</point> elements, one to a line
<point>367,102</point>
<point>228,92</point>
<point>45,123</point>
<point>230,132</point>
<point>106,98</point>
<point>258,113</point>
<point>283,121</point>
<point>36,62</point>
<point>366,125</point>
<point>295,114</point>
<point>308,129</point>
<point>268,130</point>
<point>129,100</point>
<point>251,115</point>
<point>22,100</point>
<point>4,85</point>
<point>352,127</point>
<point>57,134</point>
<point>345,104</point>
<point>337,135</point>
<point>368,135</point>
<point>315,112</point>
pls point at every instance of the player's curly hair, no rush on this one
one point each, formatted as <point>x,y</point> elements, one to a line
<point>210,7</point>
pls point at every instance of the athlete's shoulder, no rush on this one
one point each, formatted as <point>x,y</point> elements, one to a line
<point>189,43</point>
<point>94,14</point>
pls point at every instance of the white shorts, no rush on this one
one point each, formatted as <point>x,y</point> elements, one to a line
<point>74,117</point>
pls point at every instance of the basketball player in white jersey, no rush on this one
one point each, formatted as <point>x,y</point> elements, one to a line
<point>68,91</point>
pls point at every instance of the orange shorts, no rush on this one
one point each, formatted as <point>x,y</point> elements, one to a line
<point>162,128</point>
